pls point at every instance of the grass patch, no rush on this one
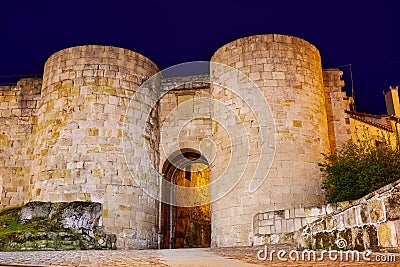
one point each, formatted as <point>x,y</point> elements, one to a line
<point>47,233</point>
<point>9,224</point>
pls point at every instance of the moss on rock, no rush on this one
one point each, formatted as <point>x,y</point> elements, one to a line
<point>54,226</point>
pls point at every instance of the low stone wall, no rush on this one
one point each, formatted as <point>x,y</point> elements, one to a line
<point>372,222</point>
<point>274,227</point>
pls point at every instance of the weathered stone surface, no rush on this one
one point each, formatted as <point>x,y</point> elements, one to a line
<point>75,215</point>
<point>80,215</point>
<point>364,214</point>
<point>368,223</point>
<point>299,117</point>
<point>61,140</point>
<point>392,204</point>
<point>55,226</point>
<point>370,237</point>
<point>387,235</point>
<point>39,210</point>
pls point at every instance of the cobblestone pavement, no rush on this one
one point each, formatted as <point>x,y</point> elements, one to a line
<point>82,258</point>
<point>244,256</point>
<point>200,257</point>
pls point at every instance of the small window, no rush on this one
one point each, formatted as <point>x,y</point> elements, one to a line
<point>347,120</point>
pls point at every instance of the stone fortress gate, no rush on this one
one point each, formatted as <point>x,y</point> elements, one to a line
<point>104,125</point>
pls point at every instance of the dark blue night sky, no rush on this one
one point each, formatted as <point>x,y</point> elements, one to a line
<point>365,35</point>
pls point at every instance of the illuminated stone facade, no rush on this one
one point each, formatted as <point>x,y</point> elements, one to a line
<point>62,138</point>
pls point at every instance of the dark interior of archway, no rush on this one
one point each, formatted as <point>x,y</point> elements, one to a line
<point>191,226</point>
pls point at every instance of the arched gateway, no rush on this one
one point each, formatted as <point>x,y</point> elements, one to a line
<point>188,226</point>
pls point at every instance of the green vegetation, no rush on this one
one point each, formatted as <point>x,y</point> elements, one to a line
<point>9,223</point>
<point>10,226</point>
<point>43,232</point>
<point>359,169</point>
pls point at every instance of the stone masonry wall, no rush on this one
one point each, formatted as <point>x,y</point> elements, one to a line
<point>18,107</point>
<point>372,222</point>
<point>288,73</point>
<point>337,102</point>
<point>78,153</point>
<point>76,135</point>
<point>185,117</point>
<point>279,226</point>
<point>186,125</point>
<point>365,129</point>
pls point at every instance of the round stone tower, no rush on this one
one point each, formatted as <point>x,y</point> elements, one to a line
<point>287,72</point>
<point>78,152</point>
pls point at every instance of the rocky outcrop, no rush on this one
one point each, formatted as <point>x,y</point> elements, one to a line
<point>54,226</point>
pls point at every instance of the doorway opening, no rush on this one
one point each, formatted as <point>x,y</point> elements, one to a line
<point>189,226</point>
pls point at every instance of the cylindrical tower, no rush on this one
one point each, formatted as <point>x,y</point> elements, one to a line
<point>288,73</point>
<point>78,146</point>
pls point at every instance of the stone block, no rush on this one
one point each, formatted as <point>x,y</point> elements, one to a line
<point>292,214</point>
<point>264,230</point>
<point>330,223</point>
<point>299,213</point>
<point>339,221</point>
<point>287,214</point>
<point>297,223</point>
<point>349,217</point>
<point>392,204</point>
<point>370,237</point>
<point>376,210</point>
<point>267,222</point>
<point>276,75</point>
<point>69,197</point>
<point>387,235</point>
<point>290,226</point>
<point>56,197</point>
<point>122,222</point>
<point>108,222</point>
<point>315,211</point>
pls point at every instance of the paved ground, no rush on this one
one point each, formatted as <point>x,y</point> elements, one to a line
<point>236,257</point>
<point>199,257</point>
<point>82,258</point>
<point>173,257</point>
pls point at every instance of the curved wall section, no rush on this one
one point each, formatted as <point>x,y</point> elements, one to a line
<point>288,72</point>
<point>78,146</point>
